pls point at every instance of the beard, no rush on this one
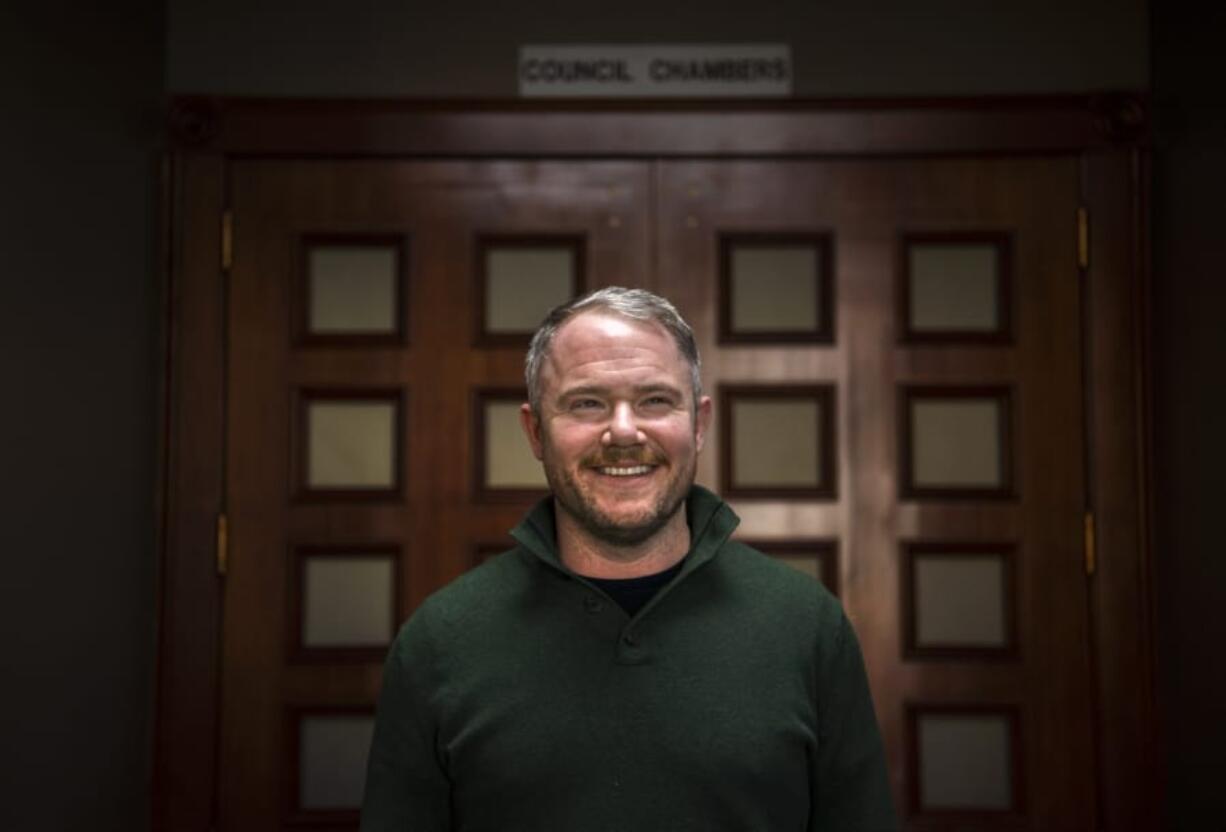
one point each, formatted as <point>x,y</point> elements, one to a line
<point>577,500</point>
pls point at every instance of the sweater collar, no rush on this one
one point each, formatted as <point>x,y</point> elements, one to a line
<point>710,519</point>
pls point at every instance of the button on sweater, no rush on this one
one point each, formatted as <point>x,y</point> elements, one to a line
<point>521,697</point>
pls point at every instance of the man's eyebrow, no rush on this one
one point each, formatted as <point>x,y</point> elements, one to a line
<point>658,388</point>
<point>597,390</point>
<point>582,390</point>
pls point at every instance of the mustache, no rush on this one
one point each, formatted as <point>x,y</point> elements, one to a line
<point>623,456</point>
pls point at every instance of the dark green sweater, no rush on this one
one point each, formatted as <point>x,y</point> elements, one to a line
<point>520,697</point>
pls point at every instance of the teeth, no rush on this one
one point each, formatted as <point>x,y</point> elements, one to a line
<point>626,472</point>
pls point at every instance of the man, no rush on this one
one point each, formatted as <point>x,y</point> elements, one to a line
<point>627,666</point>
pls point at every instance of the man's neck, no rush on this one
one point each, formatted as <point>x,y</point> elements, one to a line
<point>594,558</point>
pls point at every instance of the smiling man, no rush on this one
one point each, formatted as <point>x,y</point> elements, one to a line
<point>618,420</point>
<point>627,666</point>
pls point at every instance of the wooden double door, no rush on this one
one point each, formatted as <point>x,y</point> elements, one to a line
<point>896,351</point>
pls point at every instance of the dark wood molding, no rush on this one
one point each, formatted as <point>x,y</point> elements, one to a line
<point>823,242</point>
<point>910,552</point>
<point>653,128</point>
<point>826,398</point>
<point>302,398</point>
<point>300,296</point>
<point>1122,118</point>
<point>575,243</point>
<point>908,394</point>
<point>192,121</point>
<point>1118,392</point>
<point>1002,241</point>
<point>296,651</point>
<point>189,607</point>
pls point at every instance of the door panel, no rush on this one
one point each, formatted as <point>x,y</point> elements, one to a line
<point>1018,717</point>
<point>837,238</point>
<point>344,447</point>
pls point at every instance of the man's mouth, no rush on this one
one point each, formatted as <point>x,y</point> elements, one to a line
<point>637,462</point>
<point>624,470</point>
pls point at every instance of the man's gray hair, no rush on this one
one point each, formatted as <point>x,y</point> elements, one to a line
<point>636,304</point>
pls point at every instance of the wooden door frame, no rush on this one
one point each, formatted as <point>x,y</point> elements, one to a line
<point>1106,132</point>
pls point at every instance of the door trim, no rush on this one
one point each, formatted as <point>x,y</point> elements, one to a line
<point>189,605</point>
<point>1107,132</point>
<point>655,129</point>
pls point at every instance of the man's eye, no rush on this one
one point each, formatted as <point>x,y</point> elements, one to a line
<point>585,404</point>
<point>658,401</point>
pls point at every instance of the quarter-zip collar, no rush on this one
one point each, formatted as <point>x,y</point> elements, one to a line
<point>710,519</point>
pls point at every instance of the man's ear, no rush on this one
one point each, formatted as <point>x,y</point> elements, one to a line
<point>532,428</point>
<point>702,421</point>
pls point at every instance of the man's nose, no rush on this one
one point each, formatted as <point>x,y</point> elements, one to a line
<point>623,428</point>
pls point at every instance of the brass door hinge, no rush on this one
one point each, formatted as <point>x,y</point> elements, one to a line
<point>1091,544</point>
<point>223,545</point>
<point>227,239</point>
<point>1083,238</point>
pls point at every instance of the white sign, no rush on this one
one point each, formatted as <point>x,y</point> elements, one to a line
<point>714,71</point>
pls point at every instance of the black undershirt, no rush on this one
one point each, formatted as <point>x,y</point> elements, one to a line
<point>631,594</point>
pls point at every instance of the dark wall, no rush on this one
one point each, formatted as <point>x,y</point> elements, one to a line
<point>1189,315</point>
<point>468,49</point>
<point>82,83</point>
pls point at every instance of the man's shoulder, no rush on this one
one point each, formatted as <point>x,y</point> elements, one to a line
<point>776,585</point>
<point>477,596</point>
<point>494,578</point>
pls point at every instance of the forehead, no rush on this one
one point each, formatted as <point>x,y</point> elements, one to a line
<point>602,347</point>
